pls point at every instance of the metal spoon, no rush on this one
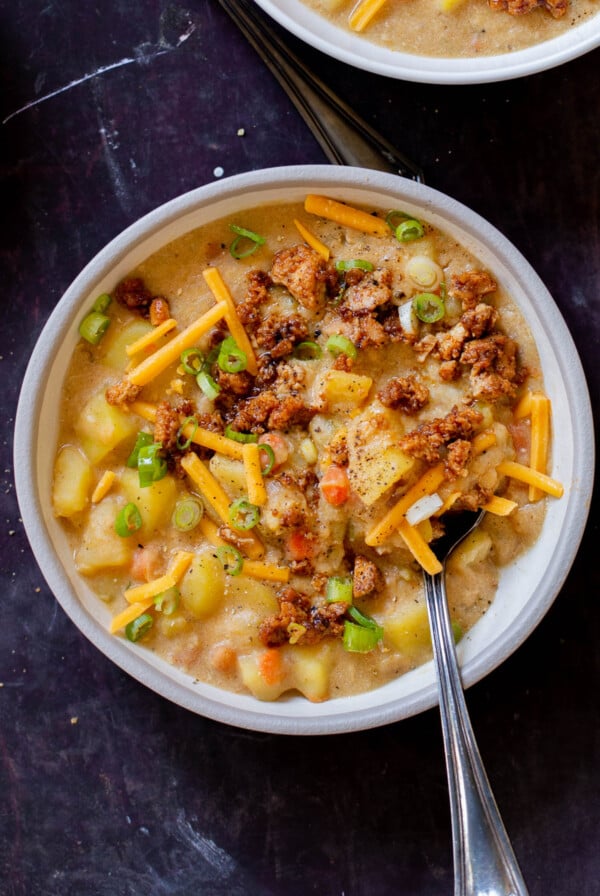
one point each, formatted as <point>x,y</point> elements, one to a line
<point>484,862</point>
<point>345,138</point>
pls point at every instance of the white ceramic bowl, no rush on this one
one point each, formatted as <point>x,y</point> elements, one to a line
<point>527,588</point>
<point>358,51</point>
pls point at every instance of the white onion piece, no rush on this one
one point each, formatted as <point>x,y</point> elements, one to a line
<point>423,509</point>
<point>408,319</point>
<point>424,272</point>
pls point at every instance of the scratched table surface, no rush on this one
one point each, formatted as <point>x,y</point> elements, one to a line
<point>110,109</point>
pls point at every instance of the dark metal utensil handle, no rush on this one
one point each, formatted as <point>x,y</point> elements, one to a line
<point>345,138</point>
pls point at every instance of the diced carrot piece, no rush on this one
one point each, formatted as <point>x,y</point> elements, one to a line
<point>270,665</point>
<point>335,485</point>
<point>301,545</point>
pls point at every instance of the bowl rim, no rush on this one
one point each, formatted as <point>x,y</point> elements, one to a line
<point>354,50</point>
<point>254,715</point>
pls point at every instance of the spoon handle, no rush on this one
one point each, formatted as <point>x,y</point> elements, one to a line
<point>345,138</point>
<point>484,862</point>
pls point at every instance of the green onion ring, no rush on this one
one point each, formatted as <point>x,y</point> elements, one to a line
<point>395,217</point>
<point>244,234</point>
<point>142,438</point>
<point>243,515</point>
<point>167,601</point>
<point>207,385</point>
<point>429,307</point>
<point>364,620</point>
<point>93,327</point>
<point>188,356</point>
<point>187,514</point>
<point>139,627</point>
<point>358,639</point>
<point>339,345</point>
<point>410,230</point>
<point>102,303</point>
<point>189,441</point>
<point>339,589</point>
<point>231,358</point>
<point>262,446</point>
<point>308,351</point>
<point>353,263</point>
<point>151,466</point>
<point>231,558</point>
<point>237,436</point>
<point>128,520</point>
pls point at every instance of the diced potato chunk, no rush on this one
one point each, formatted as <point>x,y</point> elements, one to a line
<point>101,548</point>
<point>203,586</point>
<point>230,474</point>
<point>116,341</point>
<point>345,390</point>
<point>101,427</point>
<point>310,671</point>
<point>155,502</point>
<point>252,678</point>
<point>375,462</point>
<point>408,631</point>
<point>72,482</point>
<point>474,549</point>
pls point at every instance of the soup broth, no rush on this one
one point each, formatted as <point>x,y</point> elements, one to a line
<point>253,493</point>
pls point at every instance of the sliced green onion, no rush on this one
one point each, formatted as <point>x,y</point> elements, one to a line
<point>352,263</point>
<point>208,385</point>
<point>231,358</point>
<point>128,520</point>
<point>395,217</point>
<point>187,514</point>
<point>457,632</point>
<point>409,230</point>
<point>364,620</point>
<point>339,589</point>
<point>308,351</point>
<point>139,627</point>
<point>266,469</point>
<point>188,442</point>
<point>151,466</point>
<point>93,327</point>
<point>167,601</point>
<point>192,360</point>
<point>358,639</point>
<point>238,436</point>
<point>243,515</point>
<point>102,303</point>
<point>243,234</point>
<point>339,345</point>
<point>142,439</point>
<point>429,307</point>
<point>231,559</point>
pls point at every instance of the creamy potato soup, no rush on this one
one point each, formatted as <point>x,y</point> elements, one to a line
<point>456,28</point>
<point>265,428</point>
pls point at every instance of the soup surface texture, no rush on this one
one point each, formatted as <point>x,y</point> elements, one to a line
<point>468,28</point>
<point>264,428</point>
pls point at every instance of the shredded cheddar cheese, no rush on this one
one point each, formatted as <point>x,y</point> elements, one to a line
<point>345,214</point>
<point>257,493</point>
<point>313,241</point>
<point>167,354</point>
<point>531,477</point>
<point>362,14</point>
<point>500,506</point>
<point>129,614</point>
<point>104,486</point>
<point>540,438</point>
<point>148,339</point>
<point>426,485</point>
<point>220,291</point>
<point>139,593</point>
<point>419,548</point>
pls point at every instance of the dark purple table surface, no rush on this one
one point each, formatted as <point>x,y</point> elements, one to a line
<point>105,787</point>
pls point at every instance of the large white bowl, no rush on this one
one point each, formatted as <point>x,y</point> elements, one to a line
<point>527,587</point>
<point>358,51</point>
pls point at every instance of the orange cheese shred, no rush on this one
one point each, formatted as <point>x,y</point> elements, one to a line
<point>221,292</point>
<point>345,215</point>
<point>426,485</point>
<point>419,548</point>
<point>531,477</point>
<point>540,439</point>
<point>363,13</point>
<point>313,241</point>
